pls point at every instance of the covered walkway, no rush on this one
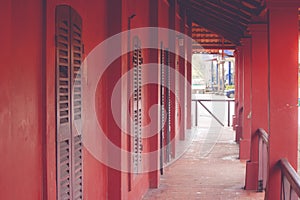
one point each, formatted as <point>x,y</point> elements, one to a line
<point>96,99</point>
<point>209,169</point>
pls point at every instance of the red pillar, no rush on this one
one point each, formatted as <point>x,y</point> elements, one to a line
<point>153,98</point>
<point>236,91</point>
<point>239,128</point>
<point>189,75</point>
<point>236,103</point>
<point>172,47</point>
<point>259,90</point>
<point>114,176</point>
<point>246,95</point>
<point>283,91</point>
<point>182,92</point>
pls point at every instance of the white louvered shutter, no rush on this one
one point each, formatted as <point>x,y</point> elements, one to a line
<point>137,106</point>
<point>68,103</point>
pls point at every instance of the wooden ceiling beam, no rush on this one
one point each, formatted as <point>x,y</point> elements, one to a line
<point>253,3</point>
<point>227,32</point>
<point>220,8</point>
<point>215,12</point>
<point>234,10</point>
<point>228,18</point>
<point>239,6</point>
<point>219,21</point>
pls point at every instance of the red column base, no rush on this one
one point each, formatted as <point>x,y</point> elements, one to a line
<point>244,149</point>
<point>154,179</point>
<point>188,126</point>
<point>182,135</point>
<point>238,133</point>
<point>251,182</point>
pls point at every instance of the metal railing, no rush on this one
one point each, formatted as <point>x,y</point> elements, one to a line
<point>200,101</point>
<point>290,180</point>
<point>263,145</point>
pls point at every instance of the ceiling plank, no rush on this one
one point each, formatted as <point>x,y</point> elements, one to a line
<point>205,15</point>
<point>219,7</point>
<point>219,14</point>
<point>239,6</point>
<point>234,10</point>
<point>253,3</point>
<point>227,32</point>
<point>223,18</point>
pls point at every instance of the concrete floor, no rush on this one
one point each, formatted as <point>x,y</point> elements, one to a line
<point>207,166</point>
<point>209,169</point>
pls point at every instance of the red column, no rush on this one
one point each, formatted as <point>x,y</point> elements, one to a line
<point>182,91</point>
<point>240,103</point>
<point>172,47</point>
<point>259,90</point>
<point>189,76</point>
<point>246,95</point>
<point>283,90</point>
<point>153,99</point>
<point>114,176</point>
<point>236,102</point>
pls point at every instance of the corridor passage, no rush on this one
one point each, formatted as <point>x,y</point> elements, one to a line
<point>209,169</point>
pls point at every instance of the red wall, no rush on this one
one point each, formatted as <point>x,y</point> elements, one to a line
<point>20,104</point>
<point>27,104</point>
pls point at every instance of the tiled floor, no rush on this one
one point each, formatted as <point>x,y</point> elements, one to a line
<point>209,169</point>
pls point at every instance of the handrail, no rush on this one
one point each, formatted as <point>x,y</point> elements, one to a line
<point>292,177</point>
<point>264,135</point>
<point>210,112</point>
<point>214,100</point>
<point>290,182</point>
